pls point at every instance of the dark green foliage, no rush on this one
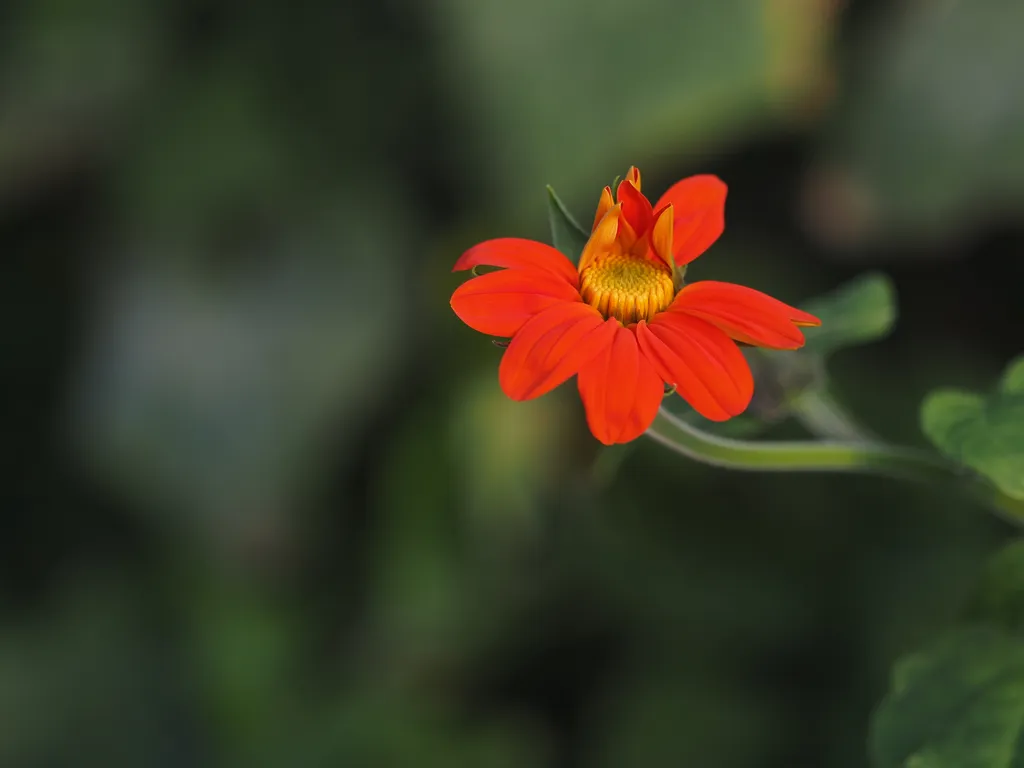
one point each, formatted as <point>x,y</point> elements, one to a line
<point>264,501</point>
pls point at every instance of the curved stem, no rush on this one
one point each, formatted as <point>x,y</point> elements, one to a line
<point>830,456</point>
<point>823,416</point>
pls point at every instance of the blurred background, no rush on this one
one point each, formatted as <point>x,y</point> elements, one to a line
<point>264,503</point>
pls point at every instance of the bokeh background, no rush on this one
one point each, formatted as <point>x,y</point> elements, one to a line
<point>263,501</point>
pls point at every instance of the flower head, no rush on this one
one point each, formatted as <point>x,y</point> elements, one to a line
<point>623,321</point>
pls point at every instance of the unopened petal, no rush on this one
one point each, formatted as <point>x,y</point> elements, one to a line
<point>603,206</point>
<point>661,235</point>
<point>699,205</point>
<point>633,176</point>
<point>636,208</point>
<point>602,238</point>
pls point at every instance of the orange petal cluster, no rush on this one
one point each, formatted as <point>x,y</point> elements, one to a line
<point>618,321</point>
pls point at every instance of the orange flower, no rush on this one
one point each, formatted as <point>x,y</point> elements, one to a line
<point>621,321</point>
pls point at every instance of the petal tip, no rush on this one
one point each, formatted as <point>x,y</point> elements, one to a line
<point>809,322</point>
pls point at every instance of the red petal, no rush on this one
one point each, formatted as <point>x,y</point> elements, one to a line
<point>498,303</point>
<point>745,314</point>
<point>707,368</point>
<point>552,346</point>
<point>621,390</point>
<point>636,208</point>
<point>517,253</point>
<point>699,204</point>
<point>633,175</point>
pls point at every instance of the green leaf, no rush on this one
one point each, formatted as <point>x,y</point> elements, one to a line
<point>959,704</point>
<point>986,434</point>
<point>858,312</point>
<point>1013,379</point>
<point>566,235</point>
<point>999,597</point>
<point>947,416</point>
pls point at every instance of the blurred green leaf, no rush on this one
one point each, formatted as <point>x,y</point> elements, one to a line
<point>247,163</point>
<point>986,434</point>
<point>960,704</point>
<point>1013,378</point>
<point>999,597</point>
<point>679,717</point>
<point>211,396</point>
<point>858,312</point>
<point>929,139</point>
<point>69,77</point>
<point>510,455</point>
<point>584,82</point>
<point>373,726</point>
<point>243,645</point>
<point>566,235</point>
<point>89,668</point>
<point>417,581</point>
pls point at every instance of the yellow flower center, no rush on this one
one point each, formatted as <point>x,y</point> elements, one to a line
<point>626,287</point>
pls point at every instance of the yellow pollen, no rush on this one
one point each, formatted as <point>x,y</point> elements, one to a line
<point>626,287</point>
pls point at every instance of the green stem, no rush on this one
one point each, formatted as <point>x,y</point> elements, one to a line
<point>823,416</point>
<point>830,456</point>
